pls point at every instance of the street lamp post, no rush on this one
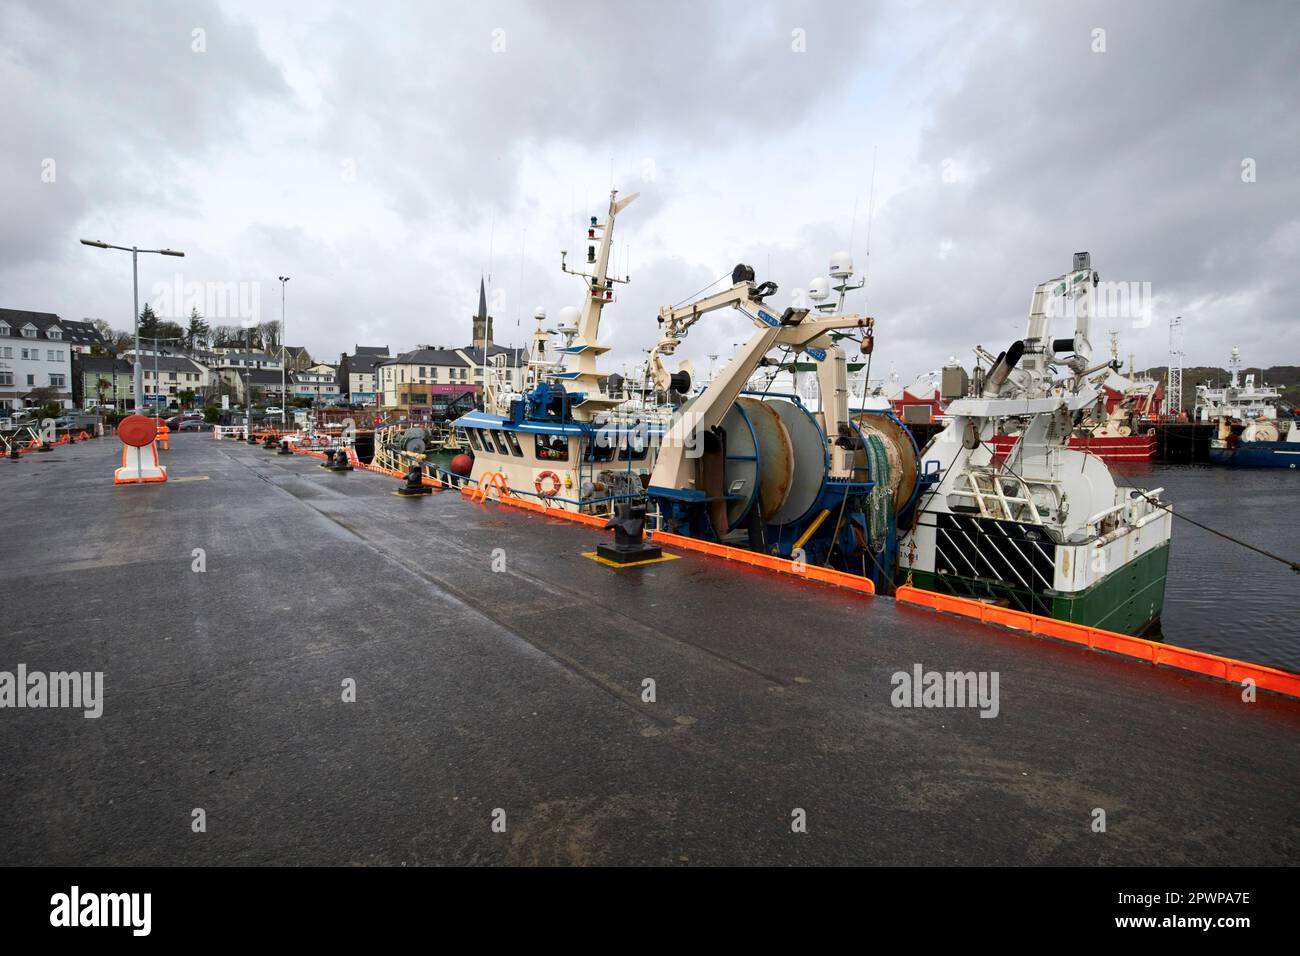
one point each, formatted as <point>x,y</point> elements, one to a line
<point>137,374</point>
<point>284,353</point>
<point>157,380</point>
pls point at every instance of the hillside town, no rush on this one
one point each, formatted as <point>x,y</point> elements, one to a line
<point>63,368</point>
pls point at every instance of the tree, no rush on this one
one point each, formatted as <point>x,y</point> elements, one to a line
<point>101,386</point>
<point>106,333</point>
<point>268,334</point>
<point>149,322</point>
<point>228,337</point>
<point>197,332</point>
<point>170,333</point>
<point>120,342</point>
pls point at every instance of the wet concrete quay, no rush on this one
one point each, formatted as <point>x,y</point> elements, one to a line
<point>522,690</point>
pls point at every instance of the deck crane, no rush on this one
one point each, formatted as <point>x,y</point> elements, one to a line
<point>675,473</point>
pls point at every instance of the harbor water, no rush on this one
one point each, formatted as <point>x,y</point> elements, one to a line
<point>1221,597</point>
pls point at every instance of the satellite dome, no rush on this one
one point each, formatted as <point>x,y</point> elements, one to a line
<point>819,288</point>
<point>539,314</point>
<point>841,265</point>
<point>569,315</point>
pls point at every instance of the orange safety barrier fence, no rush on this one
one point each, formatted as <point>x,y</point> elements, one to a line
<point>395,473</point>
<point>1226,669</point>
<point>515,501</point>
<point>769,562</point>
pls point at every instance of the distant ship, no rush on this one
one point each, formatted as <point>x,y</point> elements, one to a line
<point>1248,433</point>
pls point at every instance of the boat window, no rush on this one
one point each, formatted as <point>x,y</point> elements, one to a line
<point>514,443</point>
<point>552,447</point>
<point>486,436</point>
<point>634,444</point>
<point>473,438</point>
<point>599,450</point>
<point>632,454</point>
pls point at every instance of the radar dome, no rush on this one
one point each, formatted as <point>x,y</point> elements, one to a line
<point>819,288</point>
<point>841,265</point>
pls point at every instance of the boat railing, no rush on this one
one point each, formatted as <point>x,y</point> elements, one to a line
<point>1091,524</point>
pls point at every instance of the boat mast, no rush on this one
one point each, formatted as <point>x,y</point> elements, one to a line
<point>583,376</point>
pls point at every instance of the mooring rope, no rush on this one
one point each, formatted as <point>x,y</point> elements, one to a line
<point>1293,565</point>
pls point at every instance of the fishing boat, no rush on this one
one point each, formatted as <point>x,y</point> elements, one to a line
<point>1120,427</point>
<point>1044,529</point>
<point>1248,433</point>
<point>1041,527</point>
<point>569,441</point>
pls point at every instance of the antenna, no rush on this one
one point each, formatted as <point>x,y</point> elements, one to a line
<point>1174,384</point>
<point>871,208</point>
<point>519,291</point>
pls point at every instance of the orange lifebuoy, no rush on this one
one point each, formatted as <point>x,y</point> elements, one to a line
<point>555,487</point>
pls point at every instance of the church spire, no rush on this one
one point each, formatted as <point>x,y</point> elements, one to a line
<point>482,321</point>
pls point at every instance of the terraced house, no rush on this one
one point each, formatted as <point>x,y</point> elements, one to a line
<point>356,375</point>
<point>319,383</point>
<point>418,382</point>
<point>35,360</point>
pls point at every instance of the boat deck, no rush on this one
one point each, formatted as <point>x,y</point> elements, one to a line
<point>521,689</point>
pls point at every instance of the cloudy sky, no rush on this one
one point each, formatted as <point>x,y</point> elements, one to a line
<point>386,154</point>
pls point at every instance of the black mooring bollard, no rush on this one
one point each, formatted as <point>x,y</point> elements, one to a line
<point>284,447</point>
<point>630,545</point>
<point>329,458</point>
<point>341,462</point>
<point>415,486</point>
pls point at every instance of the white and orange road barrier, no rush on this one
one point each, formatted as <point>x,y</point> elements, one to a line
<point>139,453</point>
<point>164,436</point>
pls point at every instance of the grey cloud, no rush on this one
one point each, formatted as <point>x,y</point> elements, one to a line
<point>1134,154</point>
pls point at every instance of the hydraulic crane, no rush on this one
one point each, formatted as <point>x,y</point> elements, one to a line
<point>675,472</point>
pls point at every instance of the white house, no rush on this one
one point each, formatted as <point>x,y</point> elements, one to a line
<point>411,380</point>
<point>34,354</point>
<point>319,383</point>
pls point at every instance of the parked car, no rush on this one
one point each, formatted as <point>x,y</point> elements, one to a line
<point>194,425</point>
<point>176,421</point>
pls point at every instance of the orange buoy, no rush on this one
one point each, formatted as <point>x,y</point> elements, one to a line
<point>461,465</point>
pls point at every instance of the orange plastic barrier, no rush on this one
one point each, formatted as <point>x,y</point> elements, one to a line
<point>1226,669</point>
<point>394,473</point>
<point>770,562</point>
<point>514,501</point>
